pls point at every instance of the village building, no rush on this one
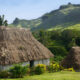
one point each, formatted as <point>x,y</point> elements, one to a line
<point>17,45</point>
<point>73,59</point>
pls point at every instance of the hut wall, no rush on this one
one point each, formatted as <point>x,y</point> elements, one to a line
<point>9,66</point>
<point>44,61</point>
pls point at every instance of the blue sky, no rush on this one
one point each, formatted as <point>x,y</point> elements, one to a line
<point>29,9</point>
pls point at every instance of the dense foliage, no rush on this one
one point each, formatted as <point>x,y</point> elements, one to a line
<point>18,71</point>
<point>58,41</point>
<point>4,74</point>
<point>54,67</point>
<point>40,68</point>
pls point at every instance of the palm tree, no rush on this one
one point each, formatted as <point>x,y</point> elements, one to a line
<point>2,21</point>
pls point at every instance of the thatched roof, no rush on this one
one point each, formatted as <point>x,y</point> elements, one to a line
<point>72,59</point>
<point>18,45</point>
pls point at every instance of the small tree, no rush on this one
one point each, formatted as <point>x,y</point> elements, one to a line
<point>2,21</point>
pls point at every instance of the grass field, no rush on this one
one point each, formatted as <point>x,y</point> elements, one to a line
<point>52,76</point>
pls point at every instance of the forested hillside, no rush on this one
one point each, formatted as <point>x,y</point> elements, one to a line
<point>65,16</point>
<point>59,41</point>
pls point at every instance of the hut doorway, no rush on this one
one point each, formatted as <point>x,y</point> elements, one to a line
<point>32,63</point>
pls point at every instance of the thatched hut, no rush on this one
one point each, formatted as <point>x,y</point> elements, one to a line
<point>17,45</point>
<point>72,59</point>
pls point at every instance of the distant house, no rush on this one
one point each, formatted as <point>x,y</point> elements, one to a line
<point>17,45</point>
<point>72,59</point>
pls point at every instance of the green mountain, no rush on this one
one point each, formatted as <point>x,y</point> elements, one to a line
<point>65,16</point>
<point>26,23</point>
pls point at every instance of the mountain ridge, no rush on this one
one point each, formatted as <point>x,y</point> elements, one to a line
<point>69,14</point>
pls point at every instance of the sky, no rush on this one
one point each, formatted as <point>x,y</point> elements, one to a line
<point>30,9</point>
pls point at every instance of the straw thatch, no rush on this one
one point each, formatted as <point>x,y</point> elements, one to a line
<point>72,59</point>
<point>18,45</point>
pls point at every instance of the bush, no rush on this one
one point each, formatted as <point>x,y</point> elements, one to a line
<point>40,68</point>
<point>18,71</point>
<point>50,68</point>
<point>32,71</point>
<point>58,58</point>
<point>70,69</point>
<point>54,67</point>
<point>59,52</point>
<point>4,74</point>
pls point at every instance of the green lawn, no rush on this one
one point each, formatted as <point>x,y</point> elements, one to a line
<point>52,76</point>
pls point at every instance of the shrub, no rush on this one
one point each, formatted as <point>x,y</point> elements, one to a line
<point>58,50</point>
<point>40,68</point>
<point>50,68</point>
<point>4,74</point>
<point>18,71</point>
<point>58,58</point>
<point>70,69</point>
<point>32,71</point>
<point>54,67</point>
